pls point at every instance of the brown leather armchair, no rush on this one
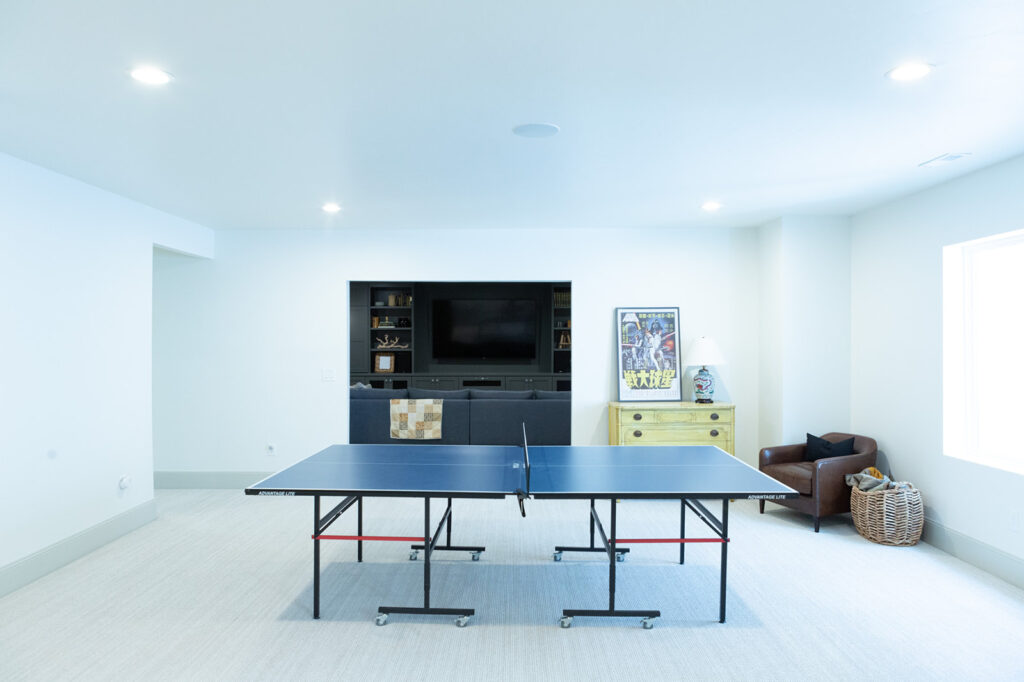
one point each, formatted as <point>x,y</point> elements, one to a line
<point>821,483</point>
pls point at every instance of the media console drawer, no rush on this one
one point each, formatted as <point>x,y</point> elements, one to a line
<point>675,423</point>
<point>538,383</point>
<point>436,383</point>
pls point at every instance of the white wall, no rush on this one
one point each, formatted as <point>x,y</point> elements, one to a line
<point>240,341</point>
<point>770,334</point>
<point>75,360</point>
<point>897,353</point>
<point>804,328</point>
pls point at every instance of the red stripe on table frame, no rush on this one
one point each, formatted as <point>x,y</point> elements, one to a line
<point>379,538</point>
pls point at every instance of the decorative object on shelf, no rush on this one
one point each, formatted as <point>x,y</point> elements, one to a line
<point>393,300</point>
<point>703,352</point>
<point>386,323</point>
<point>565,341</point>
<point>384,363</point>
<point>374,321</point>
<point>388,342</point>
<point>648,362</point>
<point>404,322</point>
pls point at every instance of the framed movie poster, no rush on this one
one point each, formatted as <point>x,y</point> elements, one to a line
<point>648,358</point>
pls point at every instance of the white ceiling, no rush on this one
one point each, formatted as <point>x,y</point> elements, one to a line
<point>402,110</point>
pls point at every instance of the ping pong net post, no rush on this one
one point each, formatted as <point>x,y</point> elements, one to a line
<point>520,493</point>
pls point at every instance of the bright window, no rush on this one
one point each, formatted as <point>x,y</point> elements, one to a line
<point>983,350</point>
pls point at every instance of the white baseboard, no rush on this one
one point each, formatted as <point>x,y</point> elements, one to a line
<point>986,557</point>
<point>208,480</point>
<point>35,566</point>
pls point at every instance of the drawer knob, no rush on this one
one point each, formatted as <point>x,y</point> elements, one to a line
<point>714,433</point>
<point>714,416</point>
<point>638,416</point>
<point>638,433</point>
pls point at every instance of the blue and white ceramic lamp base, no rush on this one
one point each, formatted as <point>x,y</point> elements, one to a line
<point>703,386</point>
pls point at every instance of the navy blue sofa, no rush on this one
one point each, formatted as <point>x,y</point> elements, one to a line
<point>470,416</point>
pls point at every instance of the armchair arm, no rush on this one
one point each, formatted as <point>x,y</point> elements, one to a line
<point>830,479</point>
<point>781,454</point>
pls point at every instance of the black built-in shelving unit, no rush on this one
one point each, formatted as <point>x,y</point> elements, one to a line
<point>390,326</point>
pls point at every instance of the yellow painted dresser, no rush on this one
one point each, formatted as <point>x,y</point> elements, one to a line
<point>682,423</point>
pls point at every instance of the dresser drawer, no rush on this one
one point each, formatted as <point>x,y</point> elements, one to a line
<point>641,417</point>
<point>713,417</point>
<point>647,416</point>
<point>635,434</point>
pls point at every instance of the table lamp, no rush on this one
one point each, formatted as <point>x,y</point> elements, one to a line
<point>703,352</point>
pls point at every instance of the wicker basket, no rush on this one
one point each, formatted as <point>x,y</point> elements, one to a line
<point>888,517</point>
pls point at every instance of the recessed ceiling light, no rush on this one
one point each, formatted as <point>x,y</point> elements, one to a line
<point>711,206</point>
<point>910,71</point>
<point>151,75</point>
<point>331,207</point>
<point>536,130</point>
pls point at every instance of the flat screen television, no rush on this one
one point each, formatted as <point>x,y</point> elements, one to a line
<point>484,329</point>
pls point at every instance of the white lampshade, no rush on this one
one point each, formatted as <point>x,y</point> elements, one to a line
<point>703,351</point>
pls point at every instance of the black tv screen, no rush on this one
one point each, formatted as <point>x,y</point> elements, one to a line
<point>484,329</point>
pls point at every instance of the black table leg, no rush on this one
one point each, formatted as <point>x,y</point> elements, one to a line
<point>682,529</point>
<point>609,547</point>
<point>448,532</point>
<point>611,562</point>
<point>591,523</point>
<point>725,549</point>
<point>359,529</point>
<point>620,553</point>
<point>426,554</point>
<point>429,545</point>
<point>474,552</point>
<point>316,556</point>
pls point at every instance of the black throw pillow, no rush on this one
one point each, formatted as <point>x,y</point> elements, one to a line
<point>818,448</point>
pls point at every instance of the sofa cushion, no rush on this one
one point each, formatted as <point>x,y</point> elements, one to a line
<point>377,393</point>
<point>481,394</point>
<point>500,422</point>
<point>554,395</point>
<point>797,475</point>
<point>431,393</point>
<point>369,421</point>
<point>819,447</point>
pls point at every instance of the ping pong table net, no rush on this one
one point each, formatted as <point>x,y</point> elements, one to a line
<point>521,494</point>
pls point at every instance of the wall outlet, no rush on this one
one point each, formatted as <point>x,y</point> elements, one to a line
<point>328,374</point>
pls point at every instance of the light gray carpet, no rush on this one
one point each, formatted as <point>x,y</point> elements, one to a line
<point>219,587</point>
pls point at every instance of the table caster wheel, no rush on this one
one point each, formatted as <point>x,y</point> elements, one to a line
<point>565,621</point>
<point>620,556</point>
<point>557,556</point>
<point>381,619</point>
<point>648,623</point>
<point>475,556</point>
<point>462,621</point>
<point>413,554</point>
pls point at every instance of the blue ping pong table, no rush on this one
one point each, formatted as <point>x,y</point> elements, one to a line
<point>690,474</point>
